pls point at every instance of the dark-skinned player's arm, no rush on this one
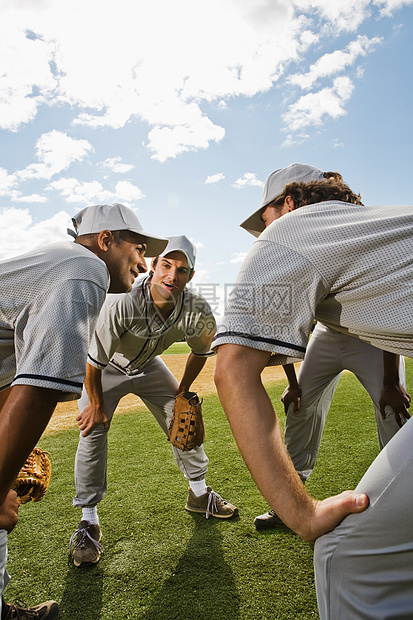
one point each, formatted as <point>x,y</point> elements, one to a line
<point>292,393</point>
<point>23,418</point>
<point>393,393</point>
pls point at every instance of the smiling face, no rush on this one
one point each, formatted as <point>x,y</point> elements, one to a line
<point>171,273</point>
<point>125,261</point>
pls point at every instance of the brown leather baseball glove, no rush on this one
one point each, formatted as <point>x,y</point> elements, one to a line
<point>186,429</point>
<point>33,479</point>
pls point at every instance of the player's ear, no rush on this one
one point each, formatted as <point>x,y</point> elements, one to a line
<point>104,238</point>
<point>191,275</point>
<point>289,203</point>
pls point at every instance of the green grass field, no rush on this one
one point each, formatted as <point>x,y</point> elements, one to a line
<point>164,563</point>
<point>177,348</point>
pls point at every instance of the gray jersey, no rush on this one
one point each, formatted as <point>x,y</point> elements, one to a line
<point>130,331</point>
<point>346,265</point>
<point>49,302</point>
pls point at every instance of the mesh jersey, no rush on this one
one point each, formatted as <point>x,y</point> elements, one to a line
<point>130,331</point>
<point>348,266</point>
<point>49,302</point>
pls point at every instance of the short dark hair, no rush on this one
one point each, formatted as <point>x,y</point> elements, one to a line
<point>333,188</point>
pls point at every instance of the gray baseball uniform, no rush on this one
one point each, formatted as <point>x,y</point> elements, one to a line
<point>329,353</point>
<point>350,268</point>
<point>346,266</point>
<point>129,337</point>
<point>48,296</point>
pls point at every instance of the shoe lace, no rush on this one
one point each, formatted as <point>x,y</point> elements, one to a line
<point>18,611</point>
<point>212,503</point>
<point>81,537</point>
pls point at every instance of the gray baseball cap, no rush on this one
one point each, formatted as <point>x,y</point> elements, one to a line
<point>181,244</point>
<point>116,217</point>
<point>274,187</point>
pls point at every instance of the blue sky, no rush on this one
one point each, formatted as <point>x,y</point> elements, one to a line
<point>182,109</point>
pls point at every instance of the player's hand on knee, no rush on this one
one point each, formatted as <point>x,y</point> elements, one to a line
<point>90,417</point>
<point>291,395</point>
<point>329,512</point>
<point>9,512</point>
<point>396,397</point>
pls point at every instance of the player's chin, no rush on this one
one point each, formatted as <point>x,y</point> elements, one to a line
<point>123,286</point>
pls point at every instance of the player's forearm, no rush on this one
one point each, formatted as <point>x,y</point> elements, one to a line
<point>23,418</point>
<point>289,371</point>
<point>93,386</point>
<point>258,434</point>
<point>193,367</point>
<point>391,363</point>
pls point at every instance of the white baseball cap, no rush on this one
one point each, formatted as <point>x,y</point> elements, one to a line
<point>274,187</point>
<point>116,217</point>
<point>181,244</point>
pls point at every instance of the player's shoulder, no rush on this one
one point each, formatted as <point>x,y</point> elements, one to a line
<point>59,262</point>
<point>126,305</point>
<point>195,302</point>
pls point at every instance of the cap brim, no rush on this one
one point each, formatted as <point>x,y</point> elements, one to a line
<point>172,249</point>
<point>254,224</point>
<point>154,245</point>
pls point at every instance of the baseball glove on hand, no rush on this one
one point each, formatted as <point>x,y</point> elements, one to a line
<point>186,429</point>
<point>33,479</point>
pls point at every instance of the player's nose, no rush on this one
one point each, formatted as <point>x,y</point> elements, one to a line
<point>141,265</point>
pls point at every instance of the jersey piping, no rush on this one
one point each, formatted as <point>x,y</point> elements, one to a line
<point>279,343</point>
<point>51,379</point>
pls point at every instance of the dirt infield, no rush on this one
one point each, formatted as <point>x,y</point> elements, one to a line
<point>65,414</point>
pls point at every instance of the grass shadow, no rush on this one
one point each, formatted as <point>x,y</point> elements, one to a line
<point>85,585</point>
<point>202,585</point>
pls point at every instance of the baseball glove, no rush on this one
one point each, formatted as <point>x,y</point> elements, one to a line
<point>33,479</point>
<point>186,429</point>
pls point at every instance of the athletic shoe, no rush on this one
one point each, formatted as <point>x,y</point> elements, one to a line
<point>84,544</point>
<point>268,521</point>
<point>48,610</point>
<point>210,503</point>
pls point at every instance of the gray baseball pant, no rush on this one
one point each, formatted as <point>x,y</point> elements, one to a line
<point>4,576</point>
<point>328,354</point>
<point>364,567</point>
<point>156,387</point>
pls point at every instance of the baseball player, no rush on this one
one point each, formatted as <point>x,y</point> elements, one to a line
<point>132,332</point>
<point>49,302</point>
<point>307,402</point>
<point>363,567</point>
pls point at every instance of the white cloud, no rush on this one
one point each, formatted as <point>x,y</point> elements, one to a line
<point>26,80</point>
<point>387,7</point>
<point>8,187</point>
<point>238,257</point>
<point>56,151</point>
<point>93,192</point>
<point>248,179</point>
<point>160,66</point>
<point>197,244</point>
<point>17,196</point>
<point>7,182</point>
<point>51,56</point>
<point>20,234</point>
<point>343,15</point>
<point>115,165</point>
<point>336,62</point>
<point>125,191</point>
<point>312,108</point>
<point>214,178</point>
<point>168,142</point>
